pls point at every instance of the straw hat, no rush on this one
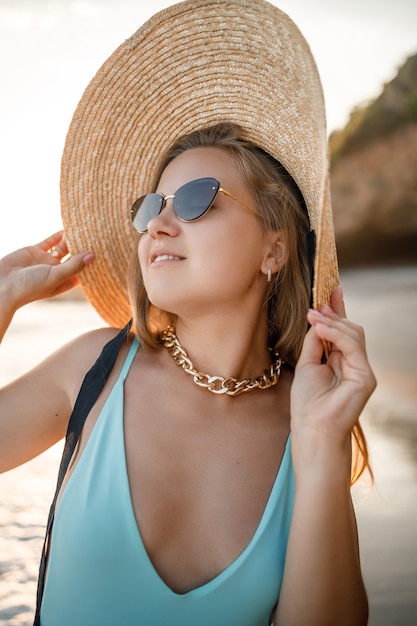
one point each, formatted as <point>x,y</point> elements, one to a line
<point>192,65</point>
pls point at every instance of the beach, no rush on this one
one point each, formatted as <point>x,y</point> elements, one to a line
<point>384,301</point>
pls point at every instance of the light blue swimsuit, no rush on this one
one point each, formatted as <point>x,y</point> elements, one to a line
<point>99,573</point>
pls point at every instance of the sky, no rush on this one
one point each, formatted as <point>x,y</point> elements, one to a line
<point>50,50</point>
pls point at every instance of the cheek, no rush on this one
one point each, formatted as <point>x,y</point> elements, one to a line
<point>233,252</point>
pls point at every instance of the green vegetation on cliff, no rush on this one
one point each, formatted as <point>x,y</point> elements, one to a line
<point>395,107</point>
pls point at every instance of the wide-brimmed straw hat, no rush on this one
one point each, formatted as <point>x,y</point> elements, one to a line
<point>191,65</point>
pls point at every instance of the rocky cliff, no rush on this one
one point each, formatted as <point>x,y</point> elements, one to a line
<point>374,176</point>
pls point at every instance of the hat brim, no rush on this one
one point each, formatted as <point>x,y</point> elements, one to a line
<point>192,65</point>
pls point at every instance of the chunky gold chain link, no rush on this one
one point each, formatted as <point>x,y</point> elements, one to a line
<point>218,384</point>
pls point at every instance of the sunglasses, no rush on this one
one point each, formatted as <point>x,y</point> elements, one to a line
<point>191,201</point>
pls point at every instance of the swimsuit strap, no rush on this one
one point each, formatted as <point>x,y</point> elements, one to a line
<point>129,359</point>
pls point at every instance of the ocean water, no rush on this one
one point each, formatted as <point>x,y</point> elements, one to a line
<point>385,302</point>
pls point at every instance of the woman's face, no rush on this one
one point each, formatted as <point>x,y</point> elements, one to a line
<point>191,268</point>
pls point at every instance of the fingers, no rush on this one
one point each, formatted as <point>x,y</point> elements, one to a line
<point>312,350</point>
<point>335,329</point>
<point>313,344</point>
<point>51,241</point>
<point>63,276</point>
<point>336,310</point>
<point>60,249</point>
<point>347,357</point>
<point>74,264</point>
<point>347,342</point>
<point>337,303</point>
<point>57,248</point>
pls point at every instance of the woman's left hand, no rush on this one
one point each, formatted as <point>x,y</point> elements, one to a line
<point>327,398</point>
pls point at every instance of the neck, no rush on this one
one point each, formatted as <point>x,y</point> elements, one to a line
<point>230,347</point>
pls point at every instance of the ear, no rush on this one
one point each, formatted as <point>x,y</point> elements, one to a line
<point>276,253</point>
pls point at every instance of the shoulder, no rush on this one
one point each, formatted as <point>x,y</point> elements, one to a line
<point>87,347</point>
<point>71,362</point>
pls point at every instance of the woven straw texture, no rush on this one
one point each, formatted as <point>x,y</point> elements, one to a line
<point>194,64</point>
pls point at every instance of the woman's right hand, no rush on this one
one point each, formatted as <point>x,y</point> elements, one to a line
<point>33,273</point>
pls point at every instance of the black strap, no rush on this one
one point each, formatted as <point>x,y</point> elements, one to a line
<point>311,249</point>
<point>93,383</point>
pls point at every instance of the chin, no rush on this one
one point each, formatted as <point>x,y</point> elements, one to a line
<point>163,302</point>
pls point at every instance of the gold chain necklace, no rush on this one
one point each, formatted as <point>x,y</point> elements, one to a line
<point>218,384</point>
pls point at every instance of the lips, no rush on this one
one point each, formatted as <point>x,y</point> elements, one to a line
<point>158,257</point>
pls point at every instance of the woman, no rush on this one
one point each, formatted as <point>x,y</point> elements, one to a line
<point>184,506</point>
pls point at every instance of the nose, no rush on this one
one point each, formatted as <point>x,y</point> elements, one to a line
<point>166,222</point>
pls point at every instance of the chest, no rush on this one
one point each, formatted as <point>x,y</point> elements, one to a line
<point>199,482</point>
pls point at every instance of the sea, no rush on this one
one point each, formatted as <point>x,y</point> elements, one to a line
<point>384,301</point>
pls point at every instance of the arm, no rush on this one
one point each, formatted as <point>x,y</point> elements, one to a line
<point>322,582</point>
<point>34,409</point>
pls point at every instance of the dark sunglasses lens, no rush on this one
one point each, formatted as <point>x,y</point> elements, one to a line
<point>144,209</point>
<point>193,199</point>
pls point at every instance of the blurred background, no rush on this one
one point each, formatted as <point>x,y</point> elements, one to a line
<point>367,57</point>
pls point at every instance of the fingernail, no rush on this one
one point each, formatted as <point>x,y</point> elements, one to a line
<point>89,258</point>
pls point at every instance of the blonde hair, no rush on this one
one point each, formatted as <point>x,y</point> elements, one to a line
<point>282,207</point>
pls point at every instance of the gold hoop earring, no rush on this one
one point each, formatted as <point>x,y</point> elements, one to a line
<point>269,275</point>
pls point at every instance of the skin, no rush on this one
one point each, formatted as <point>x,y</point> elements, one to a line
<point>197,487</point>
